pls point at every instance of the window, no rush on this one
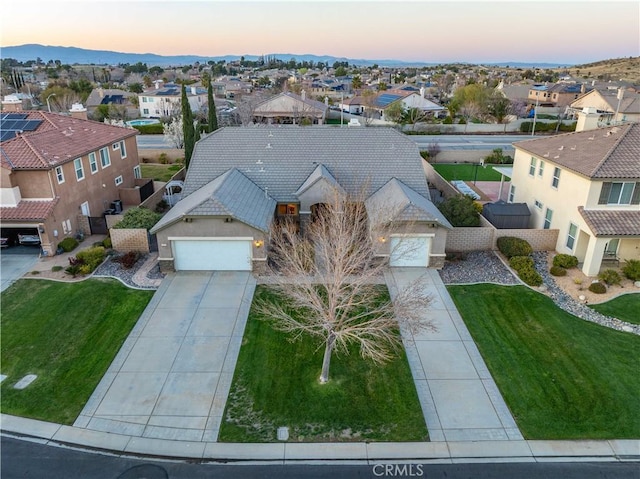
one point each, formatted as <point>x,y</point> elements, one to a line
<point>77,164</point>
<point>547,219</point>
<point>556,177</point>
<point>93,163</point>
<point>104,157</point>
<point>287,209</point>
<point>118,180</point>
<point>537,204</point>
<point>144,99</point>
<point>66,227</point>
<point>59,175</point>
<point>145,111</point>
<point>115,146</point>
<point>136,172</point>
<point>532,166</point>
<point>123,150</point>
<point>619,193</point>
<point>571,236</point>
<point>540,169</point>
<point>512,193</point>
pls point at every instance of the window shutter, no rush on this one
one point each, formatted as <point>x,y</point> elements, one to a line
<point>635,198</point>
<point>604,193</point>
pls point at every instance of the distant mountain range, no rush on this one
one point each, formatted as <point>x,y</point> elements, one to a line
<point>74,55</point>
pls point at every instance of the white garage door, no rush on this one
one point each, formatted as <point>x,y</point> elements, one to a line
<point>212,255</point>
<point>410,251</point>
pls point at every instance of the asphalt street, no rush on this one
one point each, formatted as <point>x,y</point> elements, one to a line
<point>22,458</point>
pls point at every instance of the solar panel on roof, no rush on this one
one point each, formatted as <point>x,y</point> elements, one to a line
<point>7,135</point>
<point>14,116</point>
<point>386,98</point>
<point>31,125</point>
<point>8,124</point>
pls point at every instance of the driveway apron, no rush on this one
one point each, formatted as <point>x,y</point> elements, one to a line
<point>172,375</point>
<point>459,398</point>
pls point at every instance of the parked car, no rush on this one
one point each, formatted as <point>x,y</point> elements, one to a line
<point>28,240</point>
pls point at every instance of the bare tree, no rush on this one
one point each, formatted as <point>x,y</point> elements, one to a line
<point>326,282</point>
<point>174,133</point>
<point>433,149</point>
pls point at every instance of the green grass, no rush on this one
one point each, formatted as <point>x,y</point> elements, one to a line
<point>159,172</point>
<point>562,377</point>
<point>625,308</point>
<point>466,172</point>
<point>276,384</point>
<point>67,334</point>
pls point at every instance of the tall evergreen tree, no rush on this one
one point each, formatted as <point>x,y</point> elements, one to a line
<point>212,121</point>
<point>188,128</point>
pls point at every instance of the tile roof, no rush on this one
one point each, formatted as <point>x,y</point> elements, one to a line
<point>605,153</point>
<point>404,204</point>
<point>58,139</point>
<point>612,222</point>
<point>280,159</point>
<point>278,104</point>
<point>320,173</point>
<point>230,194</point>
<point>28,210</point>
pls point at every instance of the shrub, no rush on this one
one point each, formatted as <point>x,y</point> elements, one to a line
<point>138,218</point>
<point>597,288</point>
<point>90,259</point>
<point>128,260</point>
<point>558,271</point>
<point>498,157</point>
<point>530,276</point>
<point>566,261</point>
<point>68,244</point>
<point>448,121</point>
<point>511,246</point>
<point>610,276</point>
<point>163,159</point>
<point>35,271</point>
<point>107,243</point>
<point>73,270</point>
<point>520,262</point>
<point>161,206</point>
<point>631,269</point>
<point>55,269</point>
<point>460,210</point>
<point>153,129</point>
<point>456,256</point>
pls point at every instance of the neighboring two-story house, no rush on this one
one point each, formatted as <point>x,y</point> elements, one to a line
<point>167,100</point>
<point>586,185</point>
<point>559,94</point>
<point>58,172</point>
<point>614,106</point>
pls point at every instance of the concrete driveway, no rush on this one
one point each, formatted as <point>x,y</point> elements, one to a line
<point>172,376</point>
<point>14,266</point>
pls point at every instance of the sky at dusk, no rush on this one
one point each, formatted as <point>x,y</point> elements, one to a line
<point>563,31</point>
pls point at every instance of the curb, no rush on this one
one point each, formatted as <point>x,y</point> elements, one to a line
<point>614,450</point>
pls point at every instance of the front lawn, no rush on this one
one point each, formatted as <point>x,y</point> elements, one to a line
<point>276,384</point>
<point>67,334</point>
<point>466,172</point>
<point>562,377</point>
<point>625,308</point>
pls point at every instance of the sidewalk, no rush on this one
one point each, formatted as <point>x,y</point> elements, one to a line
<point>360,453</point>
<point>459,398</point>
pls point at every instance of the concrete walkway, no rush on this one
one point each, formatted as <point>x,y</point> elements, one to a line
<point>172,376</point>
<point>459,398</point>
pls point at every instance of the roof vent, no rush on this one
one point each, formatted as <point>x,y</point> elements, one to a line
<point>561,148</point>
<point>546,155</point>
<point>268,145</point>
<point>573,148</point>
<point>259,162</point>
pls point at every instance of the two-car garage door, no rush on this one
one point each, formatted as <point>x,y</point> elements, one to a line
<point>410,250</point>
<point>212,255</point>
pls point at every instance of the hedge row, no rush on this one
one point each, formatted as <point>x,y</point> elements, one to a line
<point>526,270</point>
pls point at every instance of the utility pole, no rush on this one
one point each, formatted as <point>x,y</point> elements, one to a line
<point>535,116</point>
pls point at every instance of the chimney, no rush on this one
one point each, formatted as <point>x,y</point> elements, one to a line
<point>583,88</point>
<point>78,111</point>
<point>303,94</point>
<point>101,92</point>
<point>11,103</point>
<point>587,119</point>
<point>422,90</point>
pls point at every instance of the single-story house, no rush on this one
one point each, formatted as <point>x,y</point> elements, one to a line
<point>243,179</point>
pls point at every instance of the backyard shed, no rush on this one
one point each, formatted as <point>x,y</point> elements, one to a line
<point>507,215</point>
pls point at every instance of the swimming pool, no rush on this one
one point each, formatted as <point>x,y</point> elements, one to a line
<point>142,122</point>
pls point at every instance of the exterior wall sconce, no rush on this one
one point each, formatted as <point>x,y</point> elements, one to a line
<point>258,243</point>
<point>188,220</point>
<point>382,239</point>
<point>41,228</point>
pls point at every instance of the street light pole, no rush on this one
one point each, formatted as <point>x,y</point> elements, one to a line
<point>535,115</point>
<point>48,104</point>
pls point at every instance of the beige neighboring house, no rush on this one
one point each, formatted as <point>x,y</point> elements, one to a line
<point>586,185</point>
<point>289,108</point>
<point>613,106</point>
<point>59,174</point>
<point>166,100</point>
<point>122,104</point>
<point>243,179</point>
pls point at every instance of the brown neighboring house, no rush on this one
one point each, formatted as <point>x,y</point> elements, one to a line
<point>60,173</point>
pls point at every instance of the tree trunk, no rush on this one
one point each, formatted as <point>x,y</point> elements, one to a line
<point>326,361</point>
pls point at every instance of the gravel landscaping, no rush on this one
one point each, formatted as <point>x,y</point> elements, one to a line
<point>112,269</point>
<point>486,267</point>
